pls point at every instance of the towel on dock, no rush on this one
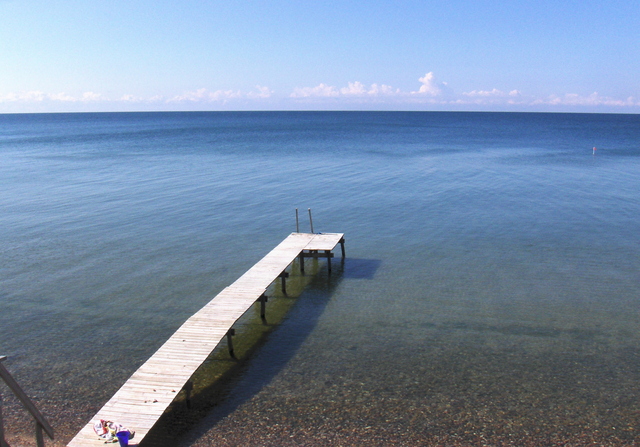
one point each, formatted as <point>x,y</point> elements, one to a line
<point>107,430</point>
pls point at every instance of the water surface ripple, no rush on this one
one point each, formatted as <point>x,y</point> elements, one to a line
<point>489,297</point>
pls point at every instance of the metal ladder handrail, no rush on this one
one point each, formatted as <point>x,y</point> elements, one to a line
<point>41,422</point>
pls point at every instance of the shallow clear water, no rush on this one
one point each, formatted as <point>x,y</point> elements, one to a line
<point>489,295</point>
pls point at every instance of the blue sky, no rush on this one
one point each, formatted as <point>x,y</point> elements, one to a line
<point>517,55</point>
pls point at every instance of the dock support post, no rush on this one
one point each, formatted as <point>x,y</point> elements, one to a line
<point>2,441</point>
<point>328,260</point>
<point>297,222</point>
<point>39,436</point>
<point>230,333</point>
<point>310,221</point>
<point>283,277</point>
<point>316,254</point>
<point>342,246</point>
<point>263,306</point>
<point>187,388</point>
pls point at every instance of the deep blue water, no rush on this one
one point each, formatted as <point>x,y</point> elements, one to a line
<point>491,284</point>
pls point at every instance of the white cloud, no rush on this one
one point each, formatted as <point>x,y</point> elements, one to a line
<point>431,94</point>
<point>139,99</point>
<point>204,95</point>
<point>353,89</point>
<point>61,97</point>
<point>431,91</point>
<point>321,90</point>
<point>359,89</point>
<point>490,97</point>
<point>38,96</point>
<point>497,97</point>
<point>594,99</point>
<point>431,87</point>
<point>382,90</point>
<point>223,95</point>
<point>91,96</point>
<point>130,98</point>
<point>485,93</point>
<point>31,96</point>
<point>263,92</point>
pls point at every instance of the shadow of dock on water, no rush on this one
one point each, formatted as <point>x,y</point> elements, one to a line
<point>262,349</point>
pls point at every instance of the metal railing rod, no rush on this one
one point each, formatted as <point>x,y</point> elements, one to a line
<point>3,443</point>
<point>41,422</point>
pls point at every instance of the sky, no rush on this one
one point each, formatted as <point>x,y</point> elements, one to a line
<point>476,55</point>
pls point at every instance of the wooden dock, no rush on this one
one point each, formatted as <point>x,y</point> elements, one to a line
<point>140,402</point>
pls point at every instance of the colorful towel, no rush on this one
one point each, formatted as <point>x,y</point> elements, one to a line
<point>107,430</point>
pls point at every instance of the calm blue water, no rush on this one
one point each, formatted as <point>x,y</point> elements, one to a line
<point>490,292</point>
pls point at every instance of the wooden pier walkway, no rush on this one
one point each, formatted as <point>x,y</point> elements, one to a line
<point>140,402</point>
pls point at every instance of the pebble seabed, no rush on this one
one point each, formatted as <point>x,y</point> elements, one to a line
<point>444,385</point>
<point>488,405</point>
<point>457,401</point>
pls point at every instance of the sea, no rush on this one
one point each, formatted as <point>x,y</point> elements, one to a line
<point>490,293</point>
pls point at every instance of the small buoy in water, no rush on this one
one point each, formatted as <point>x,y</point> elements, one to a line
<point>594,150</point>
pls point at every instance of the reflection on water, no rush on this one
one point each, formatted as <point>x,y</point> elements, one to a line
<point>355,268</point>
